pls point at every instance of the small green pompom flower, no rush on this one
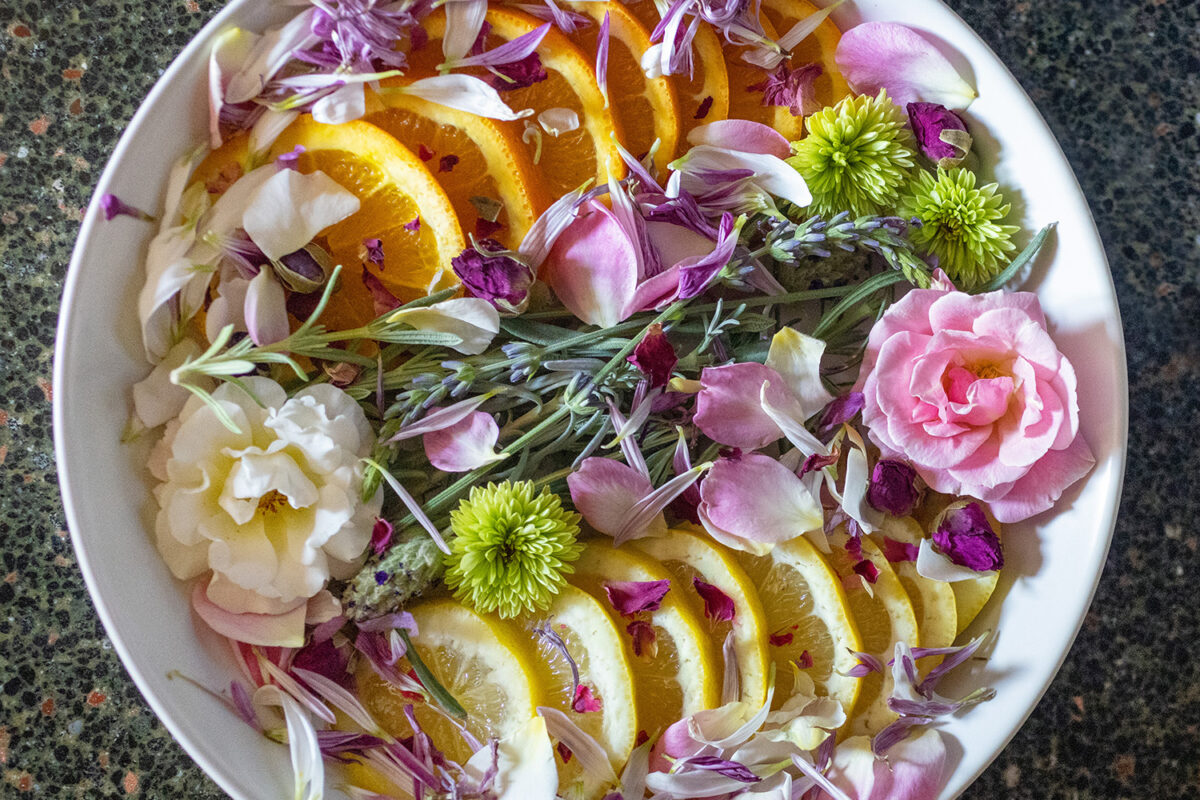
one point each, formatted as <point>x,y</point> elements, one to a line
<point>511,548</point>
<point>856,156</point>
<point>960,224</point>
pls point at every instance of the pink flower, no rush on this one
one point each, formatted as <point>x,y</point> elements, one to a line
<point>972,391</point>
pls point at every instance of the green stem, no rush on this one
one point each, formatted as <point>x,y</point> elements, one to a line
<point>861,292</point>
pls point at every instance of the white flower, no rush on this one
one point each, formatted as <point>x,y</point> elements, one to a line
<point>274,511</point>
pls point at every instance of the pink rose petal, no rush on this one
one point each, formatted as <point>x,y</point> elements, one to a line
<point>753,502</point>
<point>267,630</point>
<point>593,266</point>
<point>632,597</point>
<point>744,135</point>
<point>718,606</point>
<point>887,55</point>
<point>605,492</point>
<point>728,409</point>
<point>464,446</point>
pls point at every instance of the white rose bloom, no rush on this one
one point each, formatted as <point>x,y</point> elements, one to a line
<point>274,511</point>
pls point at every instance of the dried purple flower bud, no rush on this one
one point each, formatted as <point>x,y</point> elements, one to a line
<point>941,134</point>
<point>964,535</point>
<point>894,488</point>
<point>372,250</point>
<point>655,357</point>
<point>113,206</point>
<point>491,273</point>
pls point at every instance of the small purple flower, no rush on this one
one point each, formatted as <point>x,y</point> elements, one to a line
<point>655,357</point>
<point>290,160</point>
<point>792,88</point>
<point>894,488</point>
<point>373,251</point>
<point>941,134</point>
<point>489,272</point>
<point>519,74</point>
<point>965,536</point>
<point>113,206</point>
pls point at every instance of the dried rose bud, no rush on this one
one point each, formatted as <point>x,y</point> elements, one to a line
<point>963,534</point>
<point>941,134</point>
<point>655,357</point>
<point>894,488</point>
<point>491,273</point>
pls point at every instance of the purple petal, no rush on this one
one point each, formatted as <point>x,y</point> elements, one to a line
<point>643,637</point>
<point>965,536</point>
<point>242,704</point>
<point>488,273</point>
<point>867,571</point>
<point>896,552</point>
<point>718,606</point>
<point>631,597</point>
<point>841,410</point>
<point>792,88</point>
<point>730,769</point>
<point>887,55</point>
<point>390,622</point>
<point>113,206</point>
<point>374,251</point>
<point>894,487</point>
<point>518,49</point>
<point>382,298</point>
<point>602,58</point>
<point>323,658</point>
<point>584,702</point>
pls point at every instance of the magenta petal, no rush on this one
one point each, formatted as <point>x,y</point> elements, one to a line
<point>605,492</point>
<point>631,597</point>
<point>744,135</point>
<point>584,701</point>
<point>965,536</point>
<point>381,535</point>
<point>894,487</point>
<point>593,267</point>
<point>728,409</point>
<point>928,120</point>
<point>718,606</point>
<point>654,356</point>
<point>464,446</point>
<point>887,55</point>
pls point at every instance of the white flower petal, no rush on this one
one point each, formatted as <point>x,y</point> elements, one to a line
<point>773,175</point>
<point>265,309</point>
<point>797,358</point>
<point>466,93</point>
<point>168,272</point>
<point>464,20</point>
<point>473,320</point>
<point>290,209</point>
<point>268,127</point>
<point>526,761</point>
<point>854,492</point>
<point>270,54</point>
<point>230,51</point>
<point>347,103</point>
<point>155,398</point>
<point>557,121</point>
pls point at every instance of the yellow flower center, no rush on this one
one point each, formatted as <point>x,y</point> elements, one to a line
<point>272,501</point>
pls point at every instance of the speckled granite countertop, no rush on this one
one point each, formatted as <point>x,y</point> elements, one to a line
<point>1119,82</point>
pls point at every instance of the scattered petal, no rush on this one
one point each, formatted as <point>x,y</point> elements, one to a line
<point>718,606</point>
<point>632,597</point>
<point>888,55</point>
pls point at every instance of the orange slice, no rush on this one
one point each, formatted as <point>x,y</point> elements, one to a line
<point>745,102</point>
<point>394,188</point>
<point>561,162</point>
<point>646,109</point>
<point>818,47</point>
<point>703,95</point>
<point>476,160</point>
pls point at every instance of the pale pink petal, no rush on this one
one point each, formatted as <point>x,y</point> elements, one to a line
<point>728,410</point>
<point>887,55</point>
<point>265,308</point>
<point>605,492</point>
<point>675,243</point>
<point>960,311</point>
<point>267,630</point>
<point>464,446</point>
<point>755,500</point>
<point>1044,483</point>
<point>914,767</point>
<point>744,135</point>
<point>593,267</point>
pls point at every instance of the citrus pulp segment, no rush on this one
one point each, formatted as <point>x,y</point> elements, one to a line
<point>808,620</point>
<point>473,158</point>
<point>687,555</point>
<point>394,189</point>
<point>646,108</point>
<point>817,48</point>
<point>594,643</point>
<point>478,660</point>
<point>679,673</point>
<point>884,616</point>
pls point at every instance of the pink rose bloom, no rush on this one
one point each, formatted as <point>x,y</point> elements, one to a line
<point>974,393</point>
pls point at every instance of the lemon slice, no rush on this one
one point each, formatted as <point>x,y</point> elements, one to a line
<point>479,661</point>
<point>688,555</point>
<point>933,601</point>
<point>594,643</point>
<point>680,674</point>
<point>884,615</point>
<point>807,613</point>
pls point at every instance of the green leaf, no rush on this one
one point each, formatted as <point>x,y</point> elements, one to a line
<point>538,333</point>
<point>408,336</point>
<point>1024,257</point>
<point>438,692</point>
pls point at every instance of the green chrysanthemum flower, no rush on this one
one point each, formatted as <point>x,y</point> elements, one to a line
<point>511,548</point>
<point>960,224</point>
<point>856,156</point>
